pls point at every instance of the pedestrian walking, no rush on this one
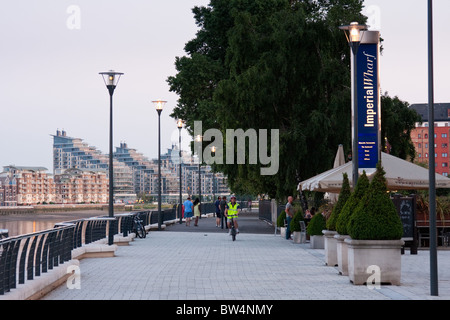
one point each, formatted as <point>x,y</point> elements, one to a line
<point>289,216</point>
<point>217,205</point>
<point>188,211</point>
<point>196,211</point>
<point>223,206</point>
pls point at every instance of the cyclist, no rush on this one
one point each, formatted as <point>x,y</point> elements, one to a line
<point>232,211</point>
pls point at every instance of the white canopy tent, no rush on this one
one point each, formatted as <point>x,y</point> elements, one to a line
<point>400,175</point>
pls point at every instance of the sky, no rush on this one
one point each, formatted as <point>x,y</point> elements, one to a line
<point>51,53</point>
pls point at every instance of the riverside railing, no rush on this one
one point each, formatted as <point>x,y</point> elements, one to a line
<point>24,257</point>
<point>29,255</point>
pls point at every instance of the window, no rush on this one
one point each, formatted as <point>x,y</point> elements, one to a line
<point>444,164</point>
<point>420,145</point>
<point>426,136</point>
<point>444,145</point>
<point>426,155</point>
<point>419,136</point>
<point>426,145</point>
<point>444,135</point>
<point>444,155</point>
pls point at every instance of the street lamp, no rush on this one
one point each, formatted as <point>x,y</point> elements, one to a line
<point>198,138</point>
<point>434,287</point>
<point>159,104</point>
<point>354,37</point>
<point>180,126</point>
<point>111,79</point>
<point>213,150</point>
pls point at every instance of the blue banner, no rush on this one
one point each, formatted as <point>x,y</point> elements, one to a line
<point>368,105</point>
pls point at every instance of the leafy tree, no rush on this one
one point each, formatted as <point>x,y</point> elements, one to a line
<point>397,121</point>
<point>271,64</point>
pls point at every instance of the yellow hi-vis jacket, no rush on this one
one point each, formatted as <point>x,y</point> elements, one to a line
<point>232,210</point>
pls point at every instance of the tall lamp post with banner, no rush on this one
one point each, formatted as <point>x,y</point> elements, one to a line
<point>353,34</point>
<point>366,110</point>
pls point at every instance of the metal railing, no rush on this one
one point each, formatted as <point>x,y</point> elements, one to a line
<point>30,255</point>
<point>22,258</point>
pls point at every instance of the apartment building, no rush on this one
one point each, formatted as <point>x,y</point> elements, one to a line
<point>33,185</point>
<point>145,173</point>
<point>82,186</point>
<point>420,138</point>
<point>73,153</point>
<point>27,185</point>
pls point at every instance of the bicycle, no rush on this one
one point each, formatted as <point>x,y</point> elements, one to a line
<point>138,226</point>
<point>233,230</point>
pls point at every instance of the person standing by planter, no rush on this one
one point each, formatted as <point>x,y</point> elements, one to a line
<point>290,211</point>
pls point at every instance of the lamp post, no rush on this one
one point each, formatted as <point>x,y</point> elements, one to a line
<point>111,79</point>
<point>198,138</point>
<point>213,150</point>
<point>434,290</point>
<point>353,34</point>
<point>180,126</point>
<point>159,104</point>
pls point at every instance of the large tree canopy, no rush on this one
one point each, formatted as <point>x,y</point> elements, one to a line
<point>271,64</point>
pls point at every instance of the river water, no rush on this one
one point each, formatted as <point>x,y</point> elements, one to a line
<point>19,224</point>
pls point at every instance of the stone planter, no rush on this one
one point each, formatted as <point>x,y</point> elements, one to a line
<point>330,247</point>
<point>299,237</point>
<point>317,242</point>
<point>342,253</point>
<point>382,254</point>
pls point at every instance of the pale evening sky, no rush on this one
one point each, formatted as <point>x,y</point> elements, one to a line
<point>52,51</point>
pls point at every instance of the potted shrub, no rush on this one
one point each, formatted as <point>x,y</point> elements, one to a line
<point>281,222</point>
<point>330,232</point>
<point>295,225</point>
<point>375,231</point>
<point>341,224</point>
<point>314,230</point>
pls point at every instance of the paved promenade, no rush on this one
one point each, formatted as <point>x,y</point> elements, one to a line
<point>205,264</point>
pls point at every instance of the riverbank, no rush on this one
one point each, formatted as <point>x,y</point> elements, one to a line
<point>56,208</point>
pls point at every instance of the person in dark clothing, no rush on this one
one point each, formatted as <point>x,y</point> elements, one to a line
<point>217,205</point>
<point>223,206</point>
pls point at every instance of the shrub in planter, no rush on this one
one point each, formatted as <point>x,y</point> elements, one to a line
<point>314,229</point>
<point>316,225</point>
<point>281,219</point>
<point>294,226</point>
<point>344,195</point>
<point>295,222</point>
<point>280,223</point>
<point>358,193</point>
<point>375,217</point>
<point>341,224</point>
<point>375,229</point>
